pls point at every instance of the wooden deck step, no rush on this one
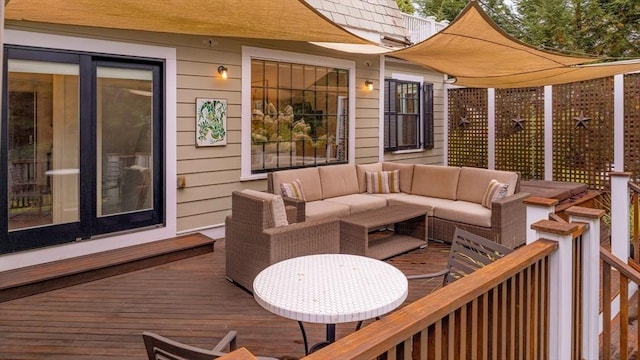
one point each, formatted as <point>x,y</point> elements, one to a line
<point>40,278</point>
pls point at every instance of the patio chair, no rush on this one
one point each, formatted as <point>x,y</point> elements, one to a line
<point>162,348</point>
<point>24,193</point>
<point>253,241</point>
<point>469,252</point>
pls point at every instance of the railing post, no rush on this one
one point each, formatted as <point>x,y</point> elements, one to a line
<point>537,208</point>
<point>560,285</point>
<point>590,277</point>
<point>620,214</point>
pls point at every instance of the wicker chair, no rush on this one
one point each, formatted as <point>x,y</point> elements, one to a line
<point>252,242</point>
<point>469,252</point>
<point>161,348</point>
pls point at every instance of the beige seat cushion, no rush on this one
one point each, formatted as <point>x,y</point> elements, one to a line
<point>338,180</point>
<point>406,174</point>
<point>436,181</point>
<point>464,212</point>
<point>474,181</point>
<point>430,203</point>
<point>309,178</point>
<point>361,169</point>
<point>321,209</point>
<point>277,206</point>
<point>359,202</point>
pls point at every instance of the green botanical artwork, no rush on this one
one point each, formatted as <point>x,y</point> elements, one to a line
<point>211,122</point>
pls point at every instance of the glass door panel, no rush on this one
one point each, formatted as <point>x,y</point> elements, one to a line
<point>124,140</point>
<point>43,143</point>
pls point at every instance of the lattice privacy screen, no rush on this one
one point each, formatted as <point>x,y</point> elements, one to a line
<point>583,132</point>
<point>520,131</point>
<point>632,126</point>
<point>468,127</point>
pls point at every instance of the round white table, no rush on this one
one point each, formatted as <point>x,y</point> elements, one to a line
<point>330,289</point>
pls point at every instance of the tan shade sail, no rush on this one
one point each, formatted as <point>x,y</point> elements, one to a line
<point>475,51</point>
<point>259,19</point>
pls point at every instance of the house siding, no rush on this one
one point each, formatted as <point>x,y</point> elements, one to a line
<point>213,173</point>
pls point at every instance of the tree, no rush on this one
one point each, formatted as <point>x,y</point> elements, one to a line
<point>406,6</point>
<point>441,9</point>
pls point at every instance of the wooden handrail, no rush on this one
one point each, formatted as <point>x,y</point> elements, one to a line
<point>619,265</point>
<point>402,324</point>
<point>633,186</point>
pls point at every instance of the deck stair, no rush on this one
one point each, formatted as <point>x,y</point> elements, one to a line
<point>31,280</point>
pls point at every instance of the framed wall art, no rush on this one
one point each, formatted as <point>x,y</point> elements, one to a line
<point>211,122</point>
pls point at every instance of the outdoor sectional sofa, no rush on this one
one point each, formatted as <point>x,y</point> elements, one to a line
<point>453,196</point>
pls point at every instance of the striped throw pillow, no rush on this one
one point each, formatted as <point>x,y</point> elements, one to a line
<point>495,191</point>
<point>292,189</point>
<point>383,182</point>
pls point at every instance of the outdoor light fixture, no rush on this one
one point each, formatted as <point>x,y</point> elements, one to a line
<point>222,70</point>
<point>369,85</point>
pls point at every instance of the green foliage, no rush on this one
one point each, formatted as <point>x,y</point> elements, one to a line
<point>441,9</point>
<point>406,6</point>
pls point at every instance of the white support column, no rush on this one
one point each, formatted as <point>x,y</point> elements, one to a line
<point>560,286</point>
<point>590,277</point>
<point>537,209</point>
<point>491,135</point>
<point>620,214</point>
<point>618,122</point>
<point>445,126</point>
<point>548,132</point>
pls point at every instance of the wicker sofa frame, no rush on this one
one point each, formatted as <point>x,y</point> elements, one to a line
<point>253,242</point>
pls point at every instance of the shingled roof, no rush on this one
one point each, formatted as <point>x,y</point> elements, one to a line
<point>377,20</point>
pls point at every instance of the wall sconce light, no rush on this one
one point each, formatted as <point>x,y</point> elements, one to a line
<point>223,71</point>
<point>369,85</point>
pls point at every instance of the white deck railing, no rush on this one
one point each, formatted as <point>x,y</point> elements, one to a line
<point>420,28</point>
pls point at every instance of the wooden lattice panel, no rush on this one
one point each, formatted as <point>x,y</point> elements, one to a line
<point>520,131</point>
<point>632,125</point>
<point>583,132</point>
<point>468,127</point>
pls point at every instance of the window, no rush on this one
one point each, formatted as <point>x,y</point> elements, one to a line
<point>408,115</point>
<point>299,112</point>
<point>83,151</point>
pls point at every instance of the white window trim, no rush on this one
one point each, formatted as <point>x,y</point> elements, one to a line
<point>63,42</point>
<point>249,53</point>
<point>418,79</point>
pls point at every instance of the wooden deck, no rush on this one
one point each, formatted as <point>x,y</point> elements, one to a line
<point>188,300</point>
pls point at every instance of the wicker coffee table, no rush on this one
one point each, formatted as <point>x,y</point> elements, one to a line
<point>385,232</point>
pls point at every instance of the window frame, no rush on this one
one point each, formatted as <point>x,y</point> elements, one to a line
<point>249,53</point>
<point>426,113</point>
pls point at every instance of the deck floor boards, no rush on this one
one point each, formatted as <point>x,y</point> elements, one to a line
<point>188,300</point>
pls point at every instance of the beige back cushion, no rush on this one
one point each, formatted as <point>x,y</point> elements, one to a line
<point>406,174</point>
<point>338,180</point>
<point>474,181</point>
<point>277,206</point>
<point>435,181</point>
<point>309,178</point>
<point>361,170</point>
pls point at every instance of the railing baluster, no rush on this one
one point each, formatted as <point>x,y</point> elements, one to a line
<point>624,316</point>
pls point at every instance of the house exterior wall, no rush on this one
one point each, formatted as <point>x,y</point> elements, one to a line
<point>213,173</point>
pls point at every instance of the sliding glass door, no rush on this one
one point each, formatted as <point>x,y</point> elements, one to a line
<point>80,147</point>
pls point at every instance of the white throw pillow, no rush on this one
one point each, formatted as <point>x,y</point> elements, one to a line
<point>277,206</point>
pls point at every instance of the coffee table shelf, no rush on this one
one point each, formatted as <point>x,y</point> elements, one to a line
<point>359,235</point>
